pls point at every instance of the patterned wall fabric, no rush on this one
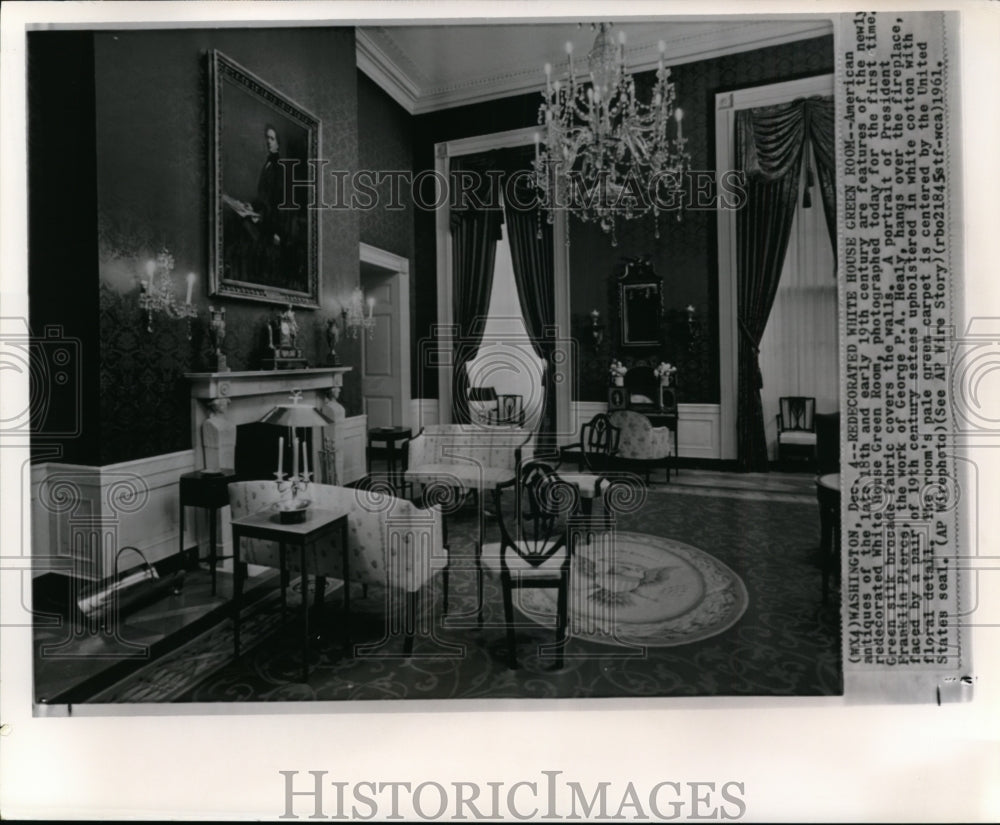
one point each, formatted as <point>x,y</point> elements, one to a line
<point>153,185</point>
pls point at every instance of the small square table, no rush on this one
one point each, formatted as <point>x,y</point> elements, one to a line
<point>208,489</point>
<point>319,525</point>
<point>828,495</point>
<point>394,439</point>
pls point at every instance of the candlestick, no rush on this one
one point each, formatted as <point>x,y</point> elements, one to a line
<point>295,458</point>
<point>190,282</point>
<point>281,456</point>
<point>305,462</point>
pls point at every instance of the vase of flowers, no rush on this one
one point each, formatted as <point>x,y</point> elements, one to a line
<point>618,370</point>
<point>665,372</point>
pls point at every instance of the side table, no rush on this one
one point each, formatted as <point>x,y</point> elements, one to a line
<point>394,438</point>
<point>210,490</point>
<point>318,526</point>
<point>828,495</point>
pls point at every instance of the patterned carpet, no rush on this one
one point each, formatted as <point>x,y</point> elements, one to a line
<point>784,644</point>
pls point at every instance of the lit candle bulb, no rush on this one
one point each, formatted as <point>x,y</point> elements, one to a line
<point>663,48</point>
<point>548,79</point>
<point>190,282</point>
<point>371,307</point>
<point>595,315</point>
<point>679,116</point>
<point>150,271</point>
<point>569,54</point>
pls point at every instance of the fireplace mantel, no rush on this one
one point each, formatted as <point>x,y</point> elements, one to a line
<point>210,385</point>
<point>221,401</point>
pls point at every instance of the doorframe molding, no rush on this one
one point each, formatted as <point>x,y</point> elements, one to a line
<point>400,266</point>
<point>726,106</point>
<point>444,330</point>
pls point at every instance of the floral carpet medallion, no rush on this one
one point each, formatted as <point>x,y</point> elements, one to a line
<point>645,590</point>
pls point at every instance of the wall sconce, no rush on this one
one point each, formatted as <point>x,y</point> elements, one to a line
<point>694,327</point>
<point>354,315</point>
<point>596,328</point>
<point>157,292</point>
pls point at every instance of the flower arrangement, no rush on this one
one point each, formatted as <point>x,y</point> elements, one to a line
<point>665,371</point>
<point>618,369</point>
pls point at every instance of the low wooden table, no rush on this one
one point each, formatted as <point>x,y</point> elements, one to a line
<point>319,525</point>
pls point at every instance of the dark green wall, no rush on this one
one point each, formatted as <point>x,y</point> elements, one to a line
<point>62,245</point>
<point>385,143</point>
<point>153,191</point>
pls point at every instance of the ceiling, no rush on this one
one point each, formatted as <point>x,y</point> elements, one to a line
<point>430,67</point>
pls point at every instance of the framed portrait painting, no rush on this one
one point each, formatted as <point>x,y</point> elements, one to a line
<point>265,236</point>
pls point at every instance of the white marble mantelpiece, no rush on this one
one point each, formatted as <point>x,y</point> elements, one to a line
<point>221,401</point>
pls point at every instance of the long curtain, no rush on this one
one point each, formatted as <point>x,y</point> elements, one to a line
<point>531,251</point>
<point>798,351</point>
<point>769,147</point>
<point>474,235</point>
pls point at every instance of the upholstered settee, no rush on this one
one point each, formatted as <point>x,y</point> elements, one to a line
<point>391,541</point>
<point>469,456</point>
<point>641,445</point>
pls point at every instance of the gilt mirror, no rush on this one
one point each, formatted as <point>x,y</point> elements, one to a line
<point>640,305</point>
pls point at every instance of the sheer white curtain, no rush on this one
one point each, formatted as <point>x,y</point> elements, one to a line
<point>798,353</point>
<point>506,359</point>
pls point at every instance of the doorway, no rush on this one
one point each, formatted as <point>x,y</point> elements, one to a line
<point>385,355</point>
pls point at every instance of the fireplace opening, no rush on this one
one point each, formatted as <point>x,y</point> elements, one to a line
<point>257,451</point>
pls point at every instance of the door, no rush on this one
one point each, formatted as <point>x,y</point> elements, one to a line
<point>381,367</point>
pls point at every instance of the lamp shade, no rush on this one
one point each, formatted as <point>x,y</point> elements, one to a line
<point>296,415</point>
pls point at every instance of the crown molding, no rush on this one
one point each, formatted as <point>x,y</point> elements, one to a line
<point>375,62</point>
<point>381,58</point>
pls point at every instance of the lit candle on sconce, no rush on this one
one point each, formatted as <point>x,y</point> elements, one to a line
<point>150,273</point>
<point>690,311</point>
<point>190,282</point>
<point>569,55</point>
<point>281,457</point>
<point>548,79</point>
<point>663,48</point>
<point>371,306</point>
<point>679,116</point>
<point>595,316</point>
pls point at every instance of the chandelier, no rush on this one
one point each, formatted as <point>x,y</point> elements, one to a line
<point>603,154</point>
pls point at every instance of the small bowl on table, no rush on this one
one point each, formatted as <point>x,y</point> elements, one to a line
<point>293,511</point>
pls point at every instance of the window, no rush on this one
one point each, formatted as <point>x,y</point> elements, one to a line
<point>506,359</point>
<point>798,353</point>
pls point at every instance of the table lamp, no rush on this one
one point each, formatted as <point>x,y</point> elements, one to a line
<point>295,417</point>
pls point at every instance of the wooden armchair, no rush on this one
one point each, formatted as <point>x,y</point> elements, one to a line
<point>796,428</point>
